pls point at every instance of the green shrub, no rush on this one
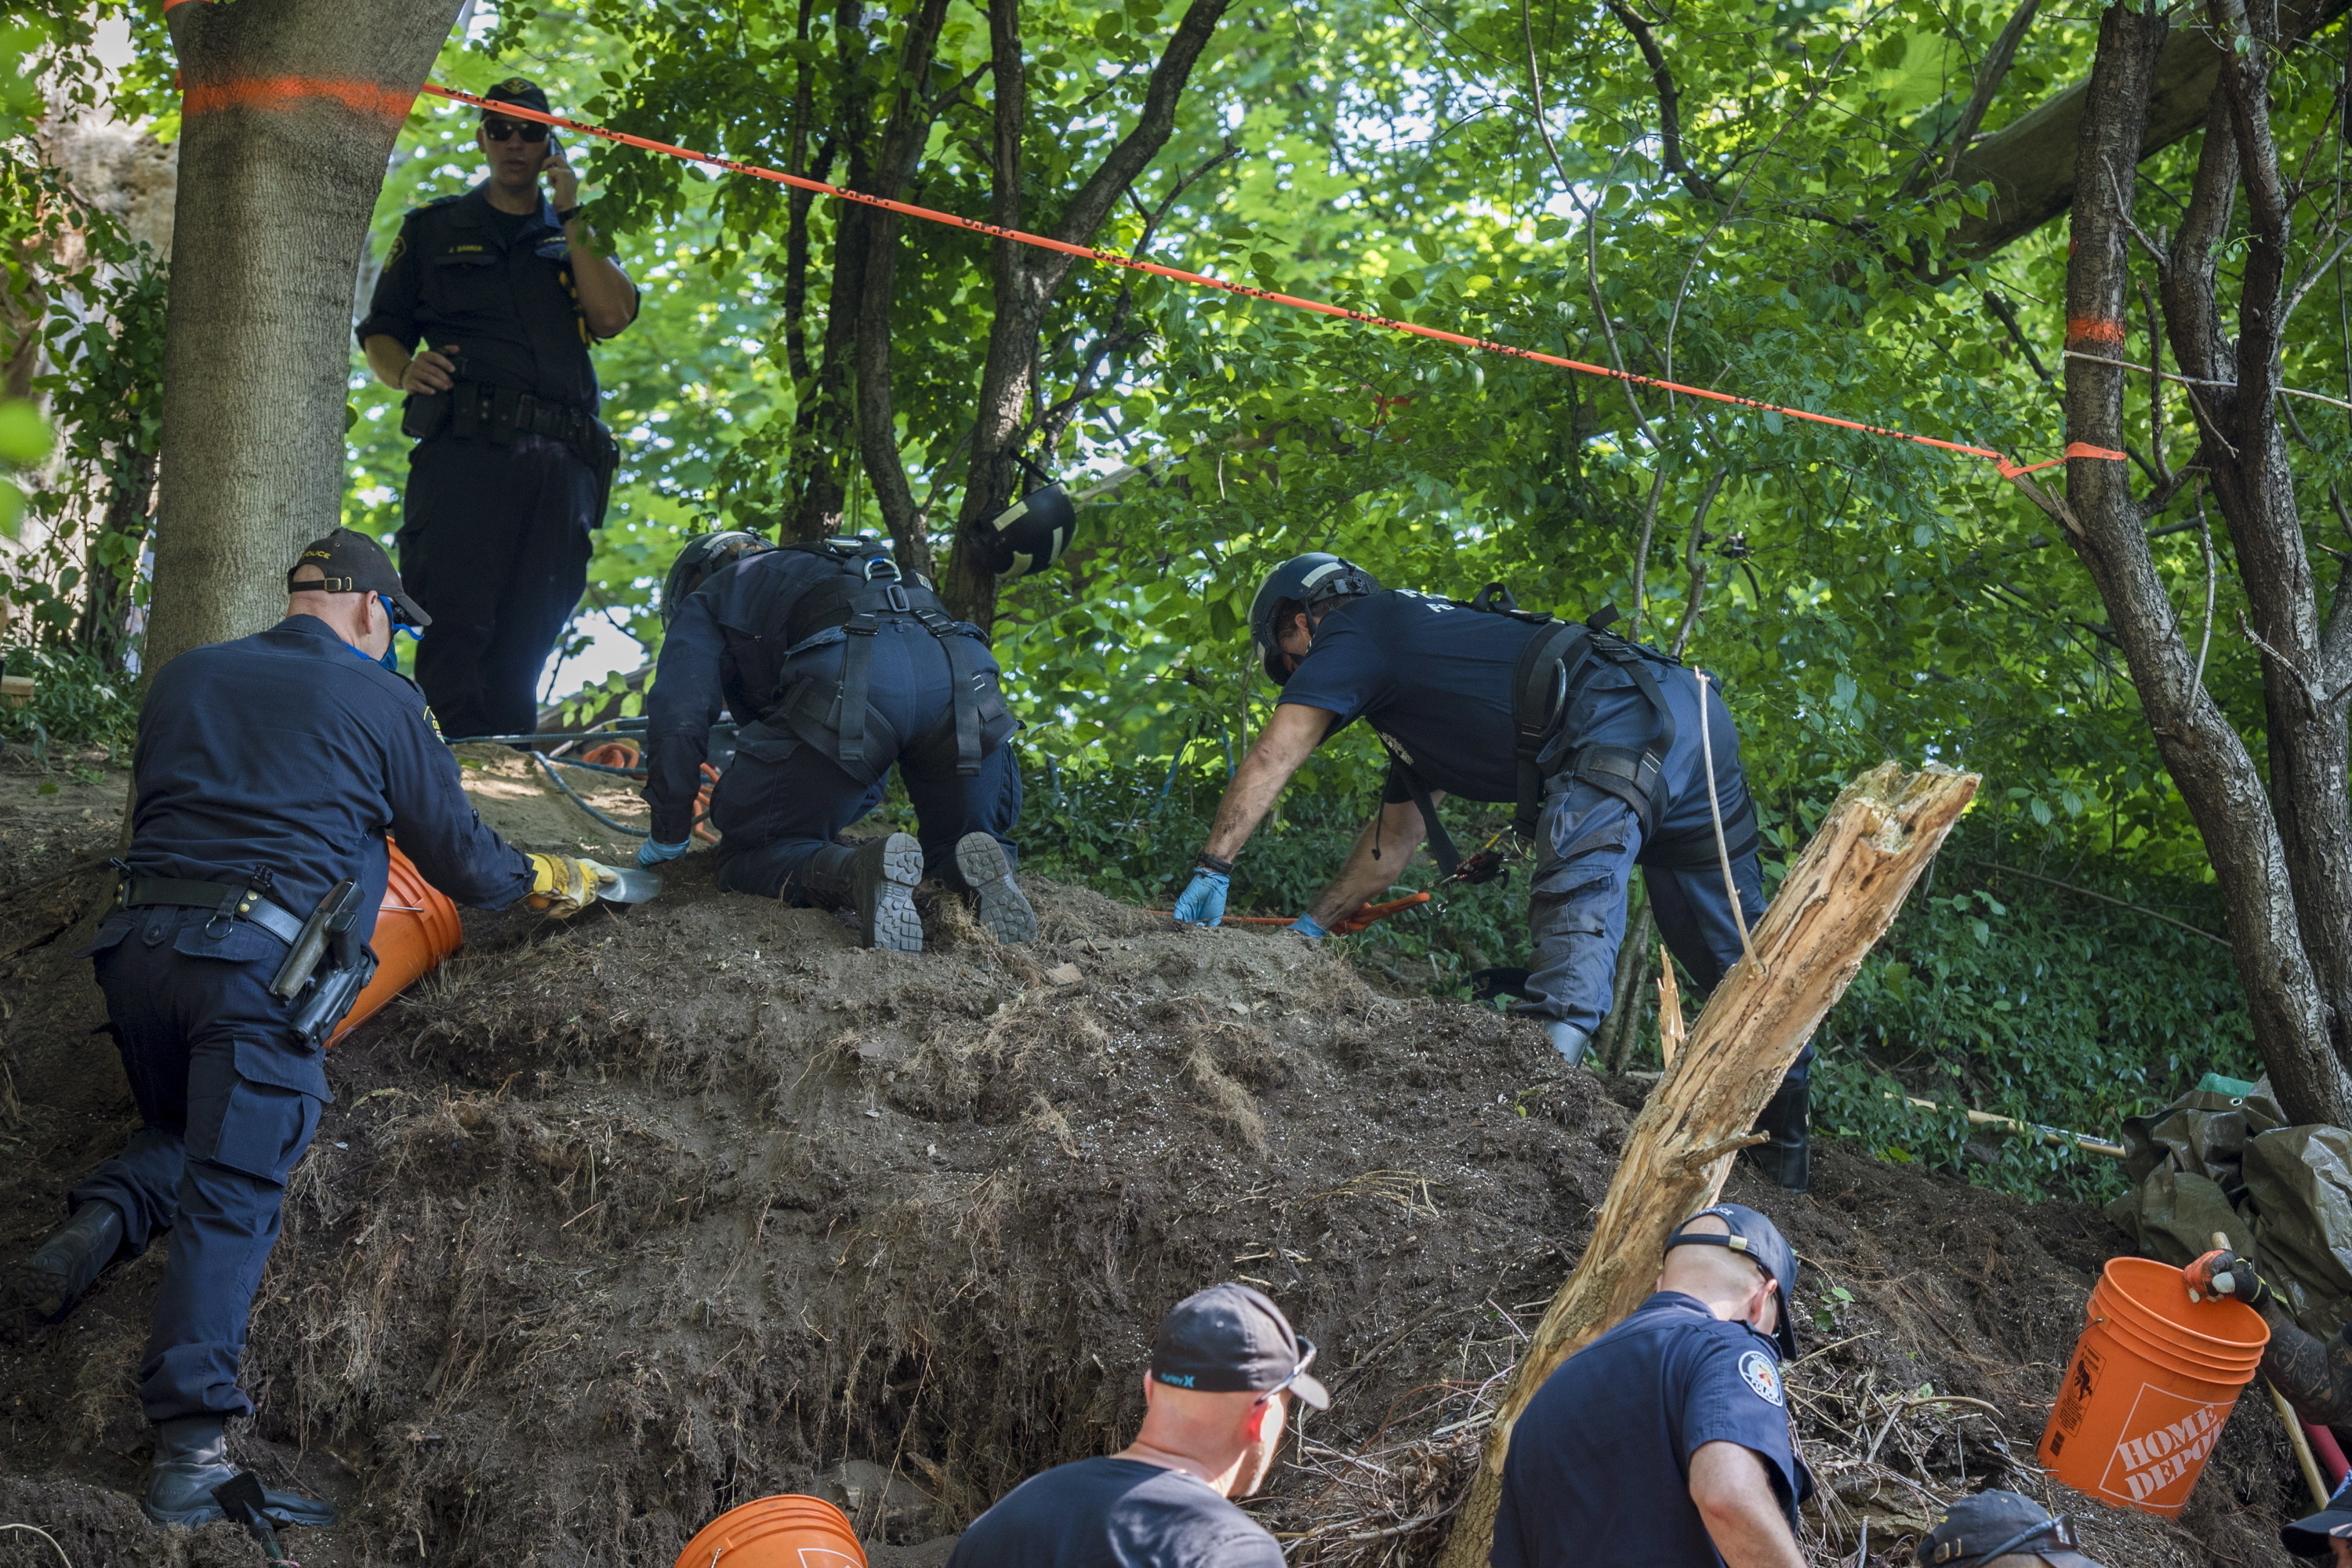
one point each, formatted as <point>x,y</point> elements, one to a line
<point>76,703</point>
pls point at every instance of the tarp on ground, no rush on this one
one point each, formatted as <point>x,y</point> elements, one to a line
<point>2214,1162</point>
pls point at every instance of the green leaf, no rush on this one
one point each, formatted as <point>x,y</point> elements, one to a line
<point>24,434</point>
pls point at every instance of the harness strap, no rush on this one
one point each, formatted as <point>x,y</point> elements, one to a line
<point>238,900</point>
<point>964,672</point>
<point>857,668</point>
<point>1539,689</point>
<point>1441,843</point>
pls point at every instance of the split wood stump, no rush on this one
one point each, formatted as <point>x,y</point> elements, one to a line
<point>1837,901</point>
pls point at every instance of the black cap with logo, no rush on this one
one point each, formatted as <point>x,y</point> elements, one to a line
<point>1230,1339</point>
<point>354,563</point>
<point>517,89</point>
<point>1996,1524</point>
<point>1760,1239</point>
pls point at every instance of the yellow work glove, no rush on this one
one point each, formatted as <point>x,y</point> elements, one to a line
<point>564,886</point>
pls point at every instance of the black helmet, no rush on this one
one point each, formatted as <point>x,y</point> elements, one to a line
<point>1030,535</point>
<point>703,555</point>
<point>1306,580</point>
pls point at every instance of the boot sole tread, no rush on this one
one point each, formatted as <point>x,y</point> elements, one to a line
<point>1004,911</point>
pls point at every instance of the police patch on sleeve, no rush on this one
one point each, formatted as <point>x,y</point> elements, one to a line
<point>1763,1379</point>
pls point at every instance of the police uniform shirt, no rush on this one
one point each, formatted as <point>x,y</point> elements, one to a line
<point>1599,1473</point>
<point>292,751</point>
<point>500,289</point>
<point>1431,677</point>
<point>1115,1513</point>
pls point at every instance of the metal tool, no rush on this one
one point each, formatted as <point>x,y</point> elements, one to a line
<point>626,886</point>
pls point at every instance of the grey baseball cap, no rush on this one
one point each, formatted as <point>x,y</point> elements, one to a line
<point>1230,1339</point>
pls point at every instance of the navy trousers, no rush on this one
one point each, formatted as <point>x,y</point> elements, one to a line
<point>228,1099</point>
<point>782,799</point>
<point>494,544</point>
<point>1588,842</point>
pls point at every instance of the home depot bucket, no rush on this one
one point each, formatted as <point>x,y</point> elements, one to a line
<point>2154,1377</point>
<point>416,928</point>
<point>788,1532</point>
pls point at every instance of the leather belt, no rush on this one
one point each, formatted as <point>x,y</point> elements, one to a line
<point>236,899</point>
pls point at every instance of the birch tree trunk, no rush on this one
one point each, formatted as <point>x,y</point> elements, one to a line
<point>1837,903</point>
<point>290,112</point>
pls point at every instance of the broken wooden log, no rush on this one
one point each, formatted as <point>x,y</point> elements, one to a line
<point>1835,904</point>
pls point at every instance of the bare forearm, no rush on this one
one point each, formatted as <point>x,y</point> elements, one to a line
<point>2315,1374</point>
<point>1383,850</point>
<point>1293,732</point>
<point>607,301</point>
<point>1736,1502</point>
<point>386,358</point>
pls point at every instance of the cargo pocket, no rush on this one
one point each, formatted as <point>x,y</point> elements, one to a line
<point>254,1107</point>
<point>110,933</point>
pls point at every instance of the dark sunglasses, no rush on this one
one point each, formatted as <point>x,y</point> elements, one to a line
<point>508,130</point>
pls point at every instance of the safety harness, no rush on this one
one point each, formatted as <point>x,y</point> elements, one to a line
<point>1550,670</point>
<point>868,591</point>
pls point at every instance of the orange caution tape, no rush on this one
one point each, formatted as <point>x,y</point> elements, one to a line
<point>1201,280</point>
<point>286,92</point>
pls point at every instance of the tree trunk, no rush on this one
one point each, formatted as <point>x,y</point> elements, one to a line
<point>1027,279</point>
<point>2286,875</point>
<point>290,110</point>
<point>1837,903</point>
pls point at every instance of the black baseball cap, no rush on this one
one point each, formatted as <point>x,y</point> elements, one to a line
<point>354,563</point>
<point>1760,1239</point>
<point>1230,1339</point>
<point>1995,1524</point>
<point>517,89</point>
<point>2309,1536</point>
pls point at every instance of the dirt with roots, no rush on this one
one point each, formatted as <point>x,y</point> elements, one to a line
<point>614,1225</point>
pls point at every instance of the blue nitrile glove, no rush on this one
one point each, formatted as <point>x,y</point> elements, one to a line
<point>1305,926</point>
<point>1203,901</point>
<point>652,853</point>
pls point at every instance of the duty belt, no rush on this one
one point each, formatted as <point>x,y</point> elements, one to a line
<point>237,901</point>
<point>501,413</point>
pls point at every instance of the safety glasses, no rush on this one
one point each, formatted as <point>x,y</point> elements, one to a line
<point>1306,1359</point>
<point>508,130</point>
<point>399,618</point>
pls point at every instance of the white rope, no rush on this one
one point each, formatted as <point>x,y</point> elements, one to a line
<point>1715,809</point>
<point>45,1535</point>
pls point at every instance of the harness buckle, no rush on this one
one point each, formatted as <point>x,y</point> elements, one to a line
<point>878,564</point>
<point>895,597</point>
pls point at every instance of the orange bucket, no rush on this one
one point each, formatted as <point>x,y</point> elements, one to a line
<point>2154,1377</point>
<point>787,1532</point>
<point>416,928</point>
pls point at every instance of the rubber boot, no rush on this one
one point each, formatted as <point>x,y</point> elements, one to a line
<point>48,1283</point>
<point>190,1459</point>
<point>1568,1039</point>
<point>1788,1159</point>
<point>999,905</point>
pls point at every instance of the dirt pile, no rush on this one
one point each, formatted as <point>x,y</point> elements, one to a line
<point>616,1225</point>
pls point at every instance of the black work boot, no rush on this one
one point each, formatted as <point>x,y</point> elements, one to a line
<point>190,1459</point>
<point>1000,906</point>
<point>48,1283</point>
<point>1788,1159</point>
<point>883,875</point>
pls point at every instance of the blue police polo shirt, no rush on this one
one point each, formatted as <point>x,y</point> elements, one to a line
<point>1432,677</point>
<point>283,751</point>
<point>1599,1472</point>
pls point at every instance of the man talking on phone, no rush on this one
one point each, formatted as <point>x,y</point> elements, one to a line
<point>512,470</point>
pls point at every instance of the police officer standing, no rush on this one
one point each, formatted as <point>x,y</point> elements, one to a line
<point>268,773</point>
<point>1667,1439</point>
<point>836,666</point>
<point>511,467</point>
<point>1603,744</point>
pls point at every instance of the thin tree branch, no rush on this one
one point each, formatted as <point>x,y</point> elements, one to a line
<point>1989,76</point>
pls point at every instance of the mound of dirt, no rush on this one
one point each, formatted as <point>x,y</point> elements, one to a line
<point>618,1224</point>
